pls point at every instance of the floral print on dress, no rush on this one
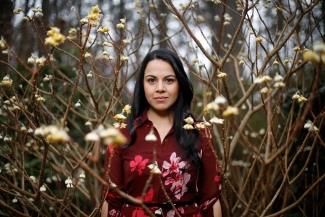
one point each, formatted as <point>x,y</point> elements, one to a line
<point>110,149</point>
<point>174,165</point>
<point>217,178</point>
<point>206,204</point>
<point>178,180</point>
<point>138,163</point>
<point>171,213</point>
<point>179,187</point>
<point>114,213</point>
<point>138,212</point>
<point>181,210</point>
<point>148,197</point>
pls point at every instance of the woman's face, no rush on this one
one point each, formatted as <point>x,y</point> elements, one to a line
<point>160,86</point>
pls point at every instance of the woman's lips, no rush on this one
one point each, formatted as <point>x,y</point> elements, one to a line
<point>160,99</point>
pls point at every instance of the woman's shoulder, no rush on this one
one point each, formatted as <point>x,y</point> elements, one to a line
<point>127,137</point>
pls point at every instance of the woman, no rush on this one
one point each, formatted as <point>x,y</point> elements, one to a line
<point>189,174</point>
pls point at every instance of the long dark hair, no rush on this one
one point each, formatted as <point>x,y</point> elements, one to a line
<point>188,139</point>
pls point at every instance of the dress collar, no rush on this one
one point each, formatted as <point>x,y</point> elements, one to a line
<point>141,119</point>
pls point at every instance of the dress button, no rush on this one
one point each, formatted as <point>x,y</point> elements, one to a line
<point>166,140</point>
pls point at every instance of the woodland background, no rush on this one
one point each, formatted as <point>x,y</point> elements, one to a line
<point>270,156</point>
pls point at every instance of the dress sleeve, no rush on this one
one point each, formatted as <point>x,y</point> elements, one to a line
<point>114,177</point>
<point>209,185</point>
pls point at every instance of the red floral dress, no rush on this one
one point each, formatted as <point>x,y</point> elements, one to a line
<point>129,172</point>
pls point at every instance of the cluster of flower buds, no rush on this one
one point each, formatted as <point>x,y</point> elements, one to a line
<point>72,34</point>
<point>110,135</point>
<point>43,188</point>
<point>151,136</point>
<point>82,175</point>
<point>189,123</point>
<point>121,25</point>
<point>47,78</point>
<point>94,16</point>
<point>78,103</point>
<point>154,168</point>
<point>38,12</point>
<point>9,169</point>
<point>3,44</point>
<point>216,120</point>
<point>121,117</point>
<point>230,111</point>
<point>265,79</point>
<point>39,98</point>
<point>310,126</point>
<point>69,183</point>
<point>222,75</point>
<point>300,99</point>
<point>17,11</point>
<point>55,38</point>
<point>219,102</point>
<point>278,79</point>
<point>103,29</point>
<point>124,58</point>
<point>107,44</point>
<point>6,81</point>
<point>258,39</point>
<point>262,79</point>
<point>52,133</point>
<point>316,56</point>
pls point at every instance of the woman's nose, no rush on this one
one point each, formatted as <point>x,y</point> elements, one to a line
<point>160,86</point>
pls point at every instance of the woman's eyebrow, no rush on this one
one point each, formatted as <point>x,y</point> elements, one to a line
<point>164,77</point>
<point>170,76</point>
<point>150,76</point>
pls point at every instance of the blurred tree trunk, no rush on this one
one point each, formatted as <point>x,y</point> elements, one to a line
<point>6,15</point>
<point>323,10</point>
<point>162,9</point>
<point>46,8</point>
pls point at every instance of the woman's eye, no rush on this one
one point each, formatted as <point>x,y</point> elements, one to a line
<point>151,80</point>
<point>169,80</point>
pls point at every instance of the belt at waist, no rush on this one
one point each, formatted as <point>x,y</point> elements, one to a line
<point>167,205</point>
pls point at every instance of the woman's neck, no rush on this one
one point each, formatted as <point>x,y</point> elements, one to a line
<point>162,122</point>
<point>158,117</point>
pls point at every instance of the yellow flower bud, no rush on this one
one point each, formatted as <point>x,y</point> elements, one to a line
<point>258,39</point>
<point>222,75</point>
<point>230,111</point>
<point>302,99</point>
<point>189,120</point>
<point>309,55</point>
<point>127,109</point>
<point>124,58</point>
<point>87,55</point>
<point>151,136</point>
<point>188,127</point>
<point>120,26</point>
<point>296,96</point>
<point>216,120</point>
<point>119,117</point>
<point>200,126</point>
